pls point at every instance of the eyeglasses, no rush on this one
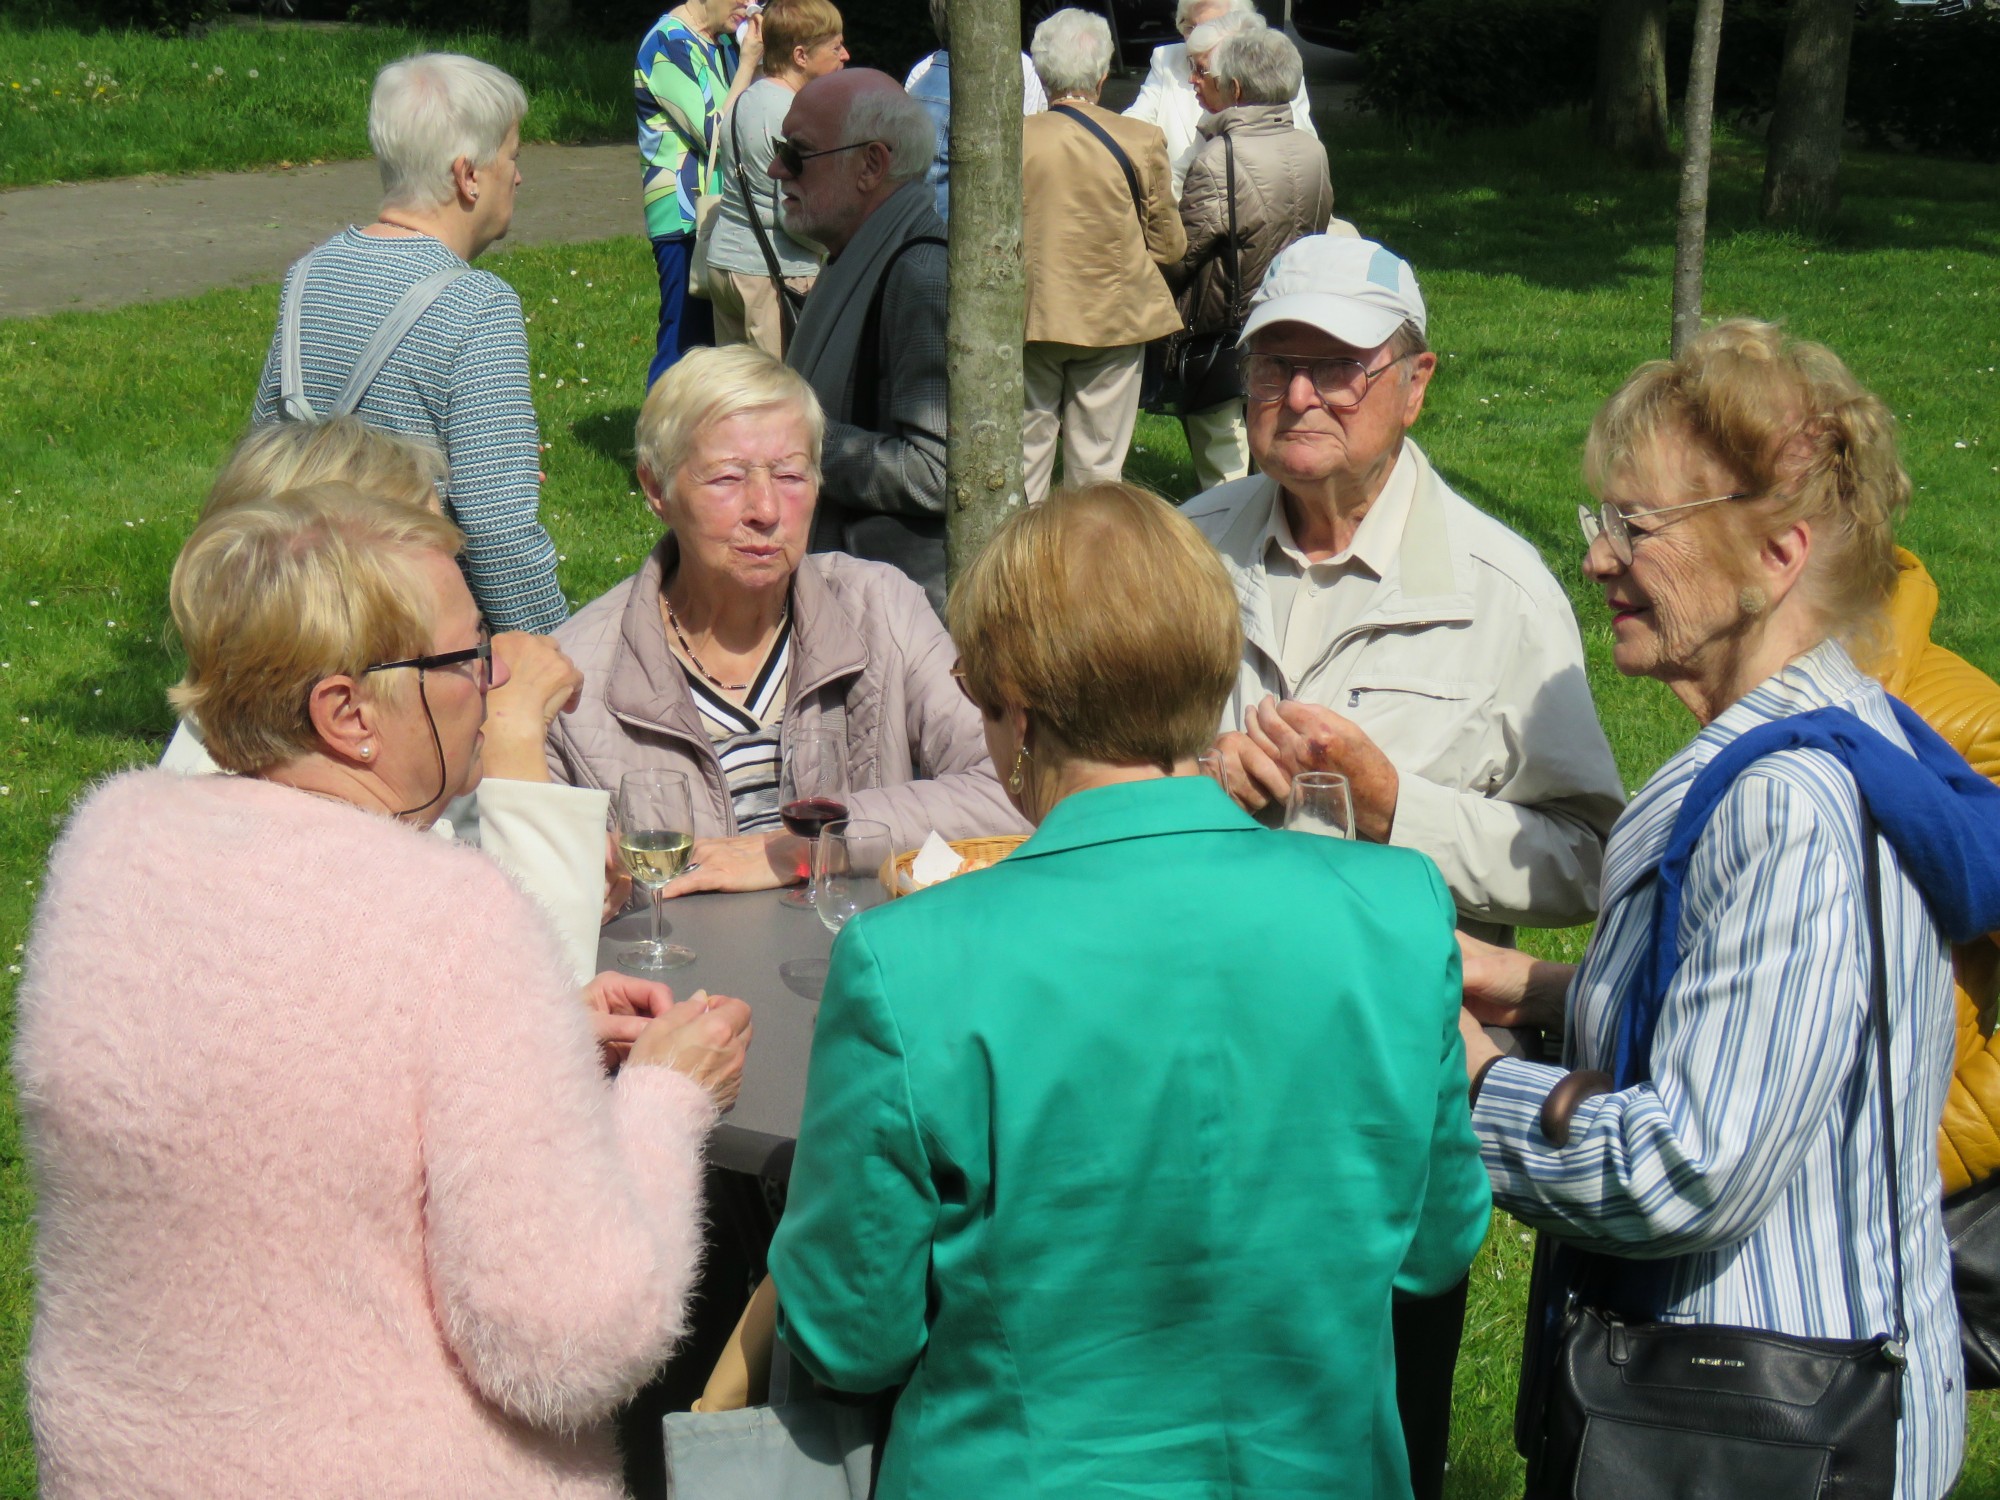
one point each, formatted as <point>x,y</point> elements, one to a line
<point>1609,522</point>
<point>1341,384</point>
<point>793,160</point>
<point>481,653</point>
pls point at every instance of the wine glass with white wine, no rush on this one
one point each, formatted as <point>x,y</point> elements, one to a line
<point>655,837</point>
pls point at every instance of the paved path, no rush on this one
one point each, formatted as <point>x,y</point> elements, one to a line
<point>142,239</point>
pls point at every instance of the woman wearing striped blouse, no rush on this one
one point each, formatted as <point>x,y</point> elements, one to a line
<point>1744,547</point>
<point>731,639</point>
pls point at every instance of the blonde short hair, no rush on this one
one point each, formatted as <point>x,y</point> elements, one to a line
<point>791,24</point>
<point>705,386</point>
<point>1803,438</point>
<point>1108,617</point>
<point>430,109</point>
<point>273,595</point>
<point>280,456</point>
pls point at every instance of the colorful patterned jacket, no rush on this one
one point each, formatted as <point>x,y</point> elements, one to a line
<point>679,87</point>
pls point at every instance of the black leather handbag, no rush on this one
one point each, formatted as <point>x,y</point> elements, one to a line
<point>1200,371</point>
<point>1679,1411</point>
<point>1972,1226</point>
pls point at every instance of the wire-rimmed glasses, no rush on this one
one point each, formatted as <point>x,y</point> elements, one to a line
<point>1611,523</point>
<point>1341,384</point>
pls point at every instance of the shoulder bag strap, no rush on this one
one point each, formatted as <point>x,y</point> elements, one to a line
<point>1878,987</point>
<point>292,403</point>
<point>1070,111</point>
<point>788,317</point>
<point>412,305</point>
<point>1229,245</point>
<point>865,410</point>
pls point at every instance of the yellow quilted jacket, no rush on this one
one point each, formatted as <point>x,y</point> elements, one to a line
<point>1963,705</point>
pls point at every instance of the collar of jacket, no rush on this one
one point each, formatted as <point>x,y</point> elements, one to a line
<point>1137,810</point>
<point>647,688</point>
<point>1427,583</point>
<point>1248,119</point>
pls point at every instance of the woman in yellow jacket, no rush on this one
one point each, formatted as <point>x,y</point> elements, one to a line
<point>1963,704</point>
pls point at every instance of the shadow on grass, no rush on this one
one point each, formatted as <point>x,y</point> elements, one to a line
<point>122,698</point>
<point>608,434</point>
<point>1538,203</point>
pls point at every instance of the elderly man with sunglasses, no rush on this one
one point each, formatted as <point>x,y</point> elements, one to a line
<point>1401,637</point>
<point>870,338</point>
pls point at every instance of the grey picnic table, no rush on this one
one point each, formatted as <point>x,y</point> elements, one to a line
<point>773,956</point>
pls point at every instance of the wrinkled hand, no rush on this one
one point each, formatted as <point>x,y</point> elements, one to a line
<point>1505,987</point>
<point>1250,775</point>
<point>748,862</point>
<point>621,1007</point>
<point>541,683</point>
<point>1479,1047</point>
<point>753,45</point>
<point>705,1037</point>
<point>1305,737</point>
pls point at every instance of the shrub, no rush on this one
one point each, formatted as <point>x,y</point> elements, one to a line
<point>165,17</point>
<point>1917,79</point>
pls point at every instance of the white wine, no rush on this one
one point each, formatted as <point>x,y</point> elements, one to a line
<point>653,857</point>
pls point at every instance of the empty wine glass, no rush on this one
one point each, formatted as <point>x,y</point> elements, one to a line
<point>1209,763</point>
<point>655,811</point>
<point>812,792</point>
<point>1320,802</point>
<point>847,867</point>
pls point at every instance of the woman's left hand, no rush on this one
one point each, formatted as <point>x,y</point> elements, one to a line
<point>1480,1051</point>
<point>748,862</point>
<point>620,1007</point>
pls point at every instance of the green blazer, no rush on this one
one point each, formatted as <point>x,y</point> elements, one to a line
<point>1114,1151</point>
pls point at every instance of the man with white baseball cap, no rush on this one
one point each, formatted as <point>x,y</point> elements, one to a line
<point>1399,636</point>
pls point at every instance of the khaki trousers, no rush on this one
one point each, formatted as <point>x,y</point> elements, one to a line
<point>746,309</point>
<point>1219,444</point>
<point>1088,397</point>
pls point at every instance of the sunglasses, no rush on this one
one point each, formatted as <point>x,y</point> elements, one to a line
<point>793,160</point>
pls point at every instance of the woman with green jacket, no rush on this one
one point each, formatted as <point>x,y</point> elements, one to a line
<point>1114,1152</point>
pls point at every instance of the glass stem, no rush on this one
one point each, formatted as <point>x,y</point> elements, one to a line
<point>659,944</point>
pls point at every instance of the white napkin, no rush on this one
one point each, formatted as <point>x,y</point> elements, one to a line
<point>936,861</point>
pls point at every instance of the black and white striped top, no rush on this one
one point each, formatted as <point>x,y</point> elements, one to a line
<point>746,737</point>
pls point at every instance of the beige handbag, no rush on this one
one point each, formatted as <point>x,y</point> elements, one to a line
<point>706,211</point>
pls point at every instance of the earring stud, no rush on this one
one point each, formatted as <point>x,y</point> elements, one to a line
<point>367,751</point>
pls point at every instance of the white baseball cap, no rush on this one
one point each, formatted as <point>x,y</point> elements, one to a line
<point>1354,289</point>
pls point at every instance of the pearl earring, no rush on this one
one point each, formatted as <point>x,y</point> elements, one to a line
<point>367,751</point>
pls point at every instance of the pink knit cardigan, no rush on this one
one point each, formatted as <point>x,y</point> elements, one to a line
<point>335,1198</point>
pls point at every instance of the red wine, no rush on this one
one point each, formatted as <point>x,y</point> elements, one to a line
<point>807,816</point>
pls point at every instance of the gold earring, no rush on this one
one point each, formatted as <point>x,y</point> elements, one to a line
<point>1015,781</point>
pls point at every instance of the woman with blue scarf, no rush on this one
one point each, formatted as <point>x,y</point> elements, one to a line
<point>1713,1149</point>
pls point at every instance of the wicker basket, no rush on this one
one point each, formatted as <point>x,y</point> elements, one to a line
<point>992,849</point>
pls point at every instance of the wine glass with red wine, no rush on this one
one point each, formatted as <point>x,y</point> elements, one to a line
<point>812,792</point>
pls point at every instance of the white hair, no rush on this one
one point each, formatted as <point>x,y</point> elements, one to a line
<point>899,122</point>
<point>431,109</point>
<point>1230,7</point>
<point>1263,64</point>
<point>1206,37</point>
<point>1072,51</point>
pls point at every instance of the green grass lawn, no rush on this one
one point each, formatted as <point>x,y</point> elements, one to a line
<point>1546,275</point>
<point>76,105</point>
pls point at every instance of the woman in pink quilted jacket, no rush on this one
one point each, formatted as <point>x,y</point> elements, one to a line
<point>731,639</point>
<point>336,1198</point>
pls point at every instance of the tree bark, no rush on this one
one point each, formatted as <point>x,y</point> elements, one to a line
<point>1628,108</point>
<point>548,20</point>
<point>987,309</point>
<point>1802,164</point>
<point>1691,233</point>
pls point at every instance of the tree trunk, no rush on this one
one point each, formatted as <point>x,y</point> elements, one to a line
<point>1691,233</point>
<point>1802,166</point>
<point>987,310</point>
<point>1628,109</point>
<point>548,21</point>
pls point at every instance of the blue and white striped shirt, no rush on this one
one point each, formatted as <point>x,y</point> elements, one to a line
<point>459,380</point>
<point>1755,1154</point>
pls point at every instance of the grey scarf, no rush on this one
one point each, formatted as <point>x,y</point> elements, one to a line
<point>829,332</point>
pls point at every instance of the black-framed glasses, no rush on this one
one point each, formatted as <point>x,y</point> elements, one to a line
<point>793,160</point>
<point>1341,384</point>
<point>1609,522</point>
<point>481,653</point>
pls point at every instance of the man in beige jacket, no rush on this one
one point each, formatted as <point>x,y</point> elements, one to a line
<point>1098,221</point>
<point>1397,635</point>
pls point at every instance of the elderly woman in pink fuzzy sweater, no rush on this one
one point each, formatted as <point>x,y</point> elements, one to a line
<point>336,1198</point>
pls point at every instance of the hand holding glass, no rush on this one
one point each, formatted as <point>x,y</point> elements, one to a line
<point>847,867</point>
<point>655,812</point>
<point>1320,802</point>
